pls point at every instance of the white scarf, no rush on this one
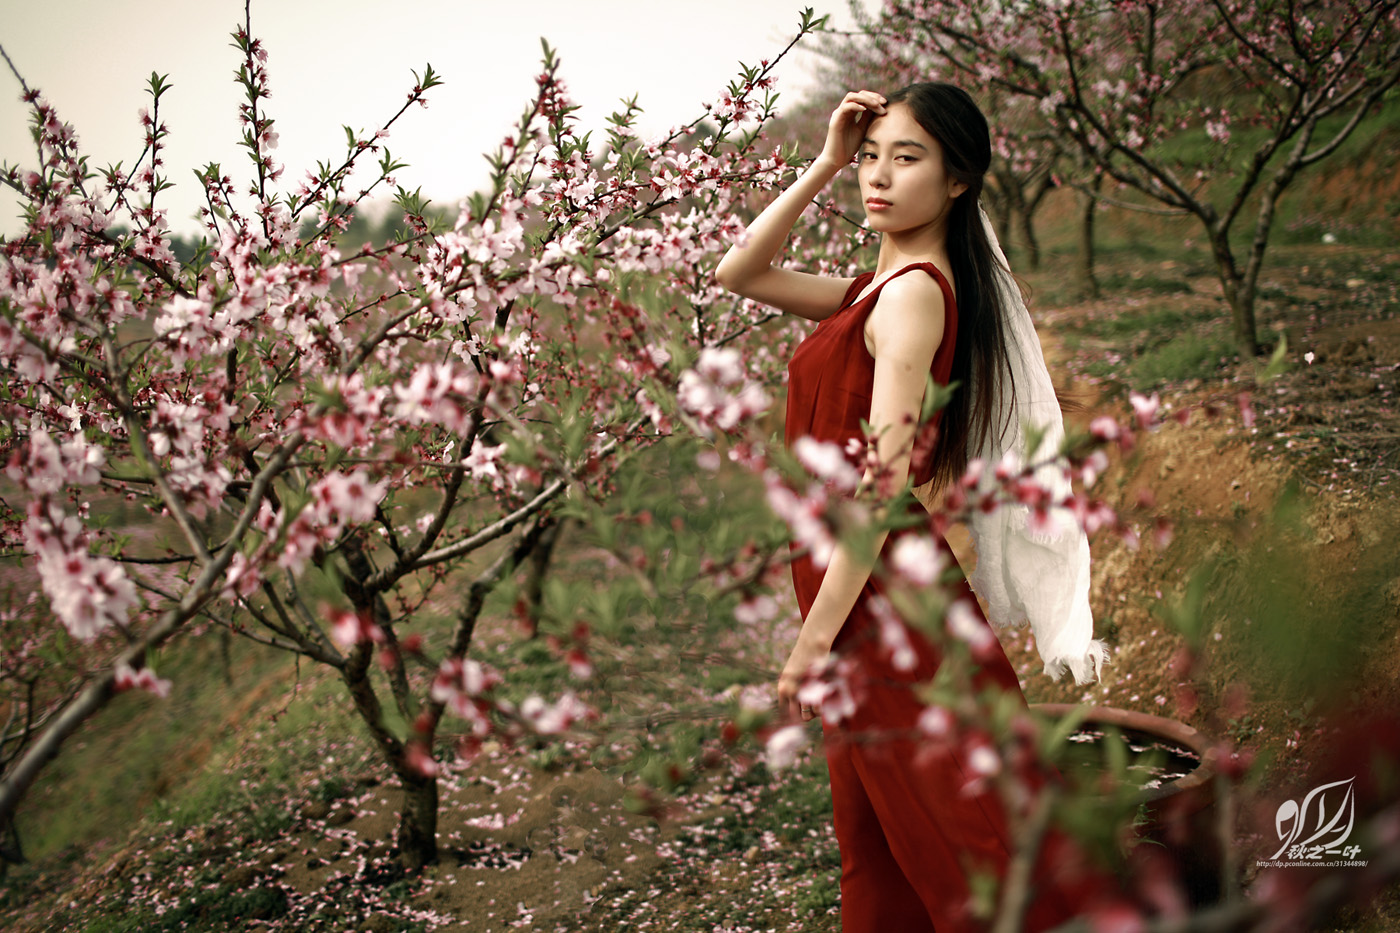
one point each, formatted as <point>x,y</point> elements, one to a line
<point>1024,575</point>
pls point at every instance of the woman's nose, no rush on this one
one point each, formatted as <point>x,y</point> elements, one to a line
<point>879,174</point>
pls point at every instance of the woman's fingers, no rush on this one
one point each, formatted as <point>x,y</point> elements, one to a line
<point>857,103</point>
<point>848,122</point>
<point>792,708</point>
<point>866,100</point>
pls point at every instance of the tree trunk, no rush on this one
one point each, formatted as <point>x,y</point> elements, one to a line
<point>538,567</point>
<point>1239,298</point>
<point>1025,229</point>
<point>1086,279</point>
<point>1245,332</point>
<point>999,208</point>
<point>417,833</point>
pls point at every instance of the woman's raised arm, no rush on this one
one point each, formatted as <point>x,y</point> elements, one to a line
<point>747,269</point>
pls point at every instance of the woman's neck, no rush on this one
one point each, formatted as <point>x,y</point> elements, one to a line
<point>898,250</point>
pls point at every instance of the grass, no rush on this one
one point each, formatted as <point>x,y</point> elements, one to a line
<point>215,909</point>
<point>158,754</point>
<point>1151,345</point>
<point>1185,357</point>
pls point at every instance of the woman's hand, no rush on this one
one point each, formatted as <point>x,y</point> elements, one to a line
<point>810,649</point>
<point>849,121</point>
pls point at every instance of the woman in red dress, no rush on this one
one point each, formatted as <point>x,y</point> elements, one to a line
<point>910,836</point>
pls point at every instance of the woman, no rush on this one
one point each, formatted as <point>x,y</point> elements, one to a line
<point>936,303</point>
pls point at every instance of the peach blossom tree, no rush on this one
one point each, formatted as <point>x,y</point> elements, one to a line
<point>1210,108</point>
<point>319,437</point>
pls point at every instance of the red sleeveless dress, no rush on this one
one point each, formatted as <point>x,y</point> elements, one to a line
<point>908,834</point>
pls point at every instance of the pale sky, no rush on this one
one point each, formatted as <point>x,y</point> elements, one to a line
<point>338,62</point>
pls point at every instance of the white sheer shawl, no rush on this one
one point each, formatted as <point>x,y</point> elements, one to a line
<point>1024,574</point>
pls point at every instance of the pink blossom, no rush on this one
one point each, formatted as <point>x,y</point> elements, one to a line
<point>1145,409</point>
<point>972,476</point>
<point>342,498</point>
<point>463,686</point>
<point>553,718</point>
<point>983,760</point>
<point>1095,464</point>
<point>46,467</point>
<point>894,635</point>
<point>1162,533</point>
<point>718,392</point>
<point>827,462</point>
<point>125,678</point>
<point>242,579</point>
<point>784,745</point>
<point>965,623</point>
<point>1104,428</point>
<point>936,722</point>
<point>918,559</point>
<point>579,664</point>
<point>87,592</point>
<point>482,460</point>
<point>1246,410</point>
<point>756,609</point>
<point>465,676</point>
<point>420,758</point>
<point>803,518</point>
<point>350,628</point>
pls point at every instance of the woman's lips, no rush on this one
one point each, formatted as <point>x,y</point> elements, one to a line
<point>876,204</point>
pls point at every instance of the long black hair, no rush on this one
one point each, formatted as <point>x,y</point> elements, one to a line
<point>950,115</point>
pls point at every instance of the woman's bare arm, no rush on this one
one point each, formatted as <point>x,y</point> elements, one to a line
<point>906,327</point>
<point>748,269</point>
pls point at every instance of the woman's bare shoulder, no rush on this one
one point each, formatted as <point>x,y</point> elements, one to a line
<point>908,314</point>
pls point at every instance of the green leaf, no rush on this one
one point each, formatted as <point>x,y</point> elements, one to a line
<point>1053,738</point>
<point>1278,361</point>
<point>1185,613</point>
<point>936,397</point>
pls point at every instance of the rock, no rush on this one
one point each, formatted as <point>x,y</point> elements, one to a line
<point>242,876</point>
<point>1392,592</point>
<point>316,810</point>
<point>340,816</point>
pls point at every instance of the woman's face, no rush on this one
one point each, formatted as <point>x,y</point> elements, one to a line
<point>903,182</point>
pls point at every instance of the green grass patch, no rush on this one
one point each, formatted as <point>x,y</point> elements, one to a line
<point>216,910</point>
<point>1151,324</point>
<point>141,752</point>
<point>1187,356</point>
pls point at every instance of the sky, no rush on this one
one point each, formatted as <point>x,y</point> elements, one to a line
<point>349,62</point>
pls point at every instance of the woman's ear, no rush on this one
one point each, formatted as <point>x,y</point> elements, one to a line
<point>956,188</point>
